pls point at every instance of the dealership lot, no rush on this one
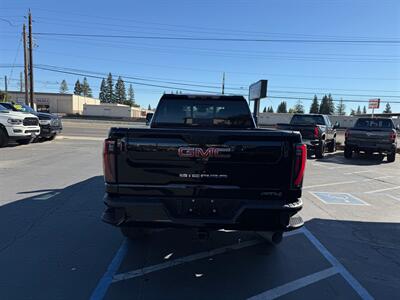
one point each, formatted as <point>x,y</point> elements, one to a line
<point>54,246</point>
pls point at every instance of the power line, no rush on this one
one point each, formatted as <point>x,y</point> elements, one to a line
<point>188,38</point>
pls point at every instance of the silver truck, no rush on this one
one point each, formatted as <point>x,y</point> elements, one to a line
<point>372,135</point>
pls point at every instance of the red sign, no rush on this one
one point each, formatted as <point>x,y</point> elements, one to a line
<point>374,103</point>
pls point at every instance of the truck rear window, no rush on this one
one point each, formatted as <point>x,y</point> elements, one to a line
<point>307,120</point>
<point>374,123</point>
<point>203,113</point>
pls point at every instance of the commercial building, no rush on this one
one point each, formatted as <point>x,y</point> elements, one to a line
<point>114,111</point>
<point>55,102</point>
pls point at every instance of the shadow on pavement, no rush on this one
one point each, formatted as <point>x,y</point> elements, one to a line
<point>361,159</point>
<point>56,248</point>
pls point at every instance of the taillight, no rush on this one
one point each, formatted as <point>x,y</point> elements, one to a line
<point>393,137</point>
<point>316,132</point>
<point>300,164</point>
<point>109,161</point>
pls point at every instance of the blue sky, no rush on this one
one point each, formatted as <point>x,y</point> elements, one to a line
<point>294,70</point>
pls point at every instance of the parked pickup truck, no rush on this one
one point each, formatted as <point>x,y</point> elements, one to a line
<point>17,126</point>
<point>372,135</point>
<point>202,163</point>
<point>50,124</point>
<point>316,130</point>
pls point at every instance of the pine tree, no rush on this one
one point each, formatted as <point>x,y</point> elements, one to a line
<point>324,106</point>
<point>358,112</point>
<point>102,94</point>
<point>78,88</point>
<point>282,107</point>
<point>388,109</point>
<point>314,109</point>
<point>120,92</point>
<point>298,108</point>
<point>86,90</point>
<point>131,94</point>
<point>265,109</point>
<point>63,87</point>
<point>352,112</point>
<point>109,89</point>
<point>364,110</point>
<point>341,108</point>
<point>270,109</point>
<point>149,107</point>
<point>331,105</point>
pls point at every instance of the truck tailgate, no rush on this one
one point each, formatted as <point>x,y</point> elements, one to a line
<point>181,162</point>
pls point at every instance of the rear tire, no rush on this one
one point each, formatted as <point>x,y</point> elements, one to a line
<point>332,146</point>
<point>320,151</point>
<point>3,138</point>
<point>391,157</point>
<point>24,141</point>
<point>134,233</point>
<point>348,152</point>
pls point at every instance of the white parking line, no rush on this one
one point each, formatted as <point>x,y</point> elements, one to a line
<point>46,196</point>
<point>361,291</point>
<point>383,190</point>
<point>329,184</point>
<point>295,285</point>
<point>393,197</point>
<point>358,172</point>
<point>182,260</point>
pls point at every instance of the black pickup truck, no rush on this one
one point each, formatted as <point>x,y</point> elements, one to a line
<point>316,130</point>
<point>372,135</point>
<point>203,164</point>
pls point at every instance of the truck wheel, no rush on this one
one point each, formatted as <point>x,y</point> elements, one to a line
<point>348,153</point>
<point>24,141</point>
<point>391,157</point>
<point>320,151</point>
<point>52,137</point>
<point>134,233</point>
<point>3,138</point>
<point>332,146</point>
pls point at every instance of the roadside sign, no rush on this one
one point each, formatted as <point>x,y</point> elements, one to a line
<point>258,90</point>
<point>374,103</point>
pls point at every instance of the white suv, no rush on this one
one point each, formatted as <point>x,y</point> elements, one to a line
<point>17,126</point>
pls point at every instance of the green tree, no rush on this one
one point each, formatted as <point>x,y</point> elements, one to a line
<point>102,93</point>
<point>149,107</point>
<point>265,109</point>
<point>331,105</point>
<point>131,94</point>
<point>86,90</point>
<point>120,92</point>
<point>78,88</point>
<point>282,107</point>
<point>314,109</point>
<point>358,112</point>
<point>298,108</point>
<point>364,110</point>
<point>352,112</point>
<point>270,109</point>
<point>109,89</point>
<point>324,107</point>
<point>388,109</point>
<point>341,108</point>
<point>63,87</point>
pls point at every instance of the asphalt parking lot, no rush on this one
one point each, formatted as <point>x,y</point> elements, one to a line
<point>54,246</point>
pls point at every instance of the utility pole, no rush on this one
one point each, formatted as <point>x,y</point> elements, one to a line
<point>20,82</point>
<point>30,58</point>
<point>223,83</point>
<point>5,87</point>
<point>25,65</point>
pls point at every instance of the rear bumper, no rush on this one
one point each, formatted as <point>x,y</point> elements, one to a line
<point>201,213</point>
<point>311,144</point>
<point>384,148</point>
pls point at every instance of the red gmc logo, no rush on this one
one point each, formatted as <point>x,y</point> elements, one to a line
<point>203,153</point>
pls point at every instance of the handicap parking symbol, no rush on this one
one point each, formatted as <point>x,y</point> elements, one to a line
<point>338,198</point>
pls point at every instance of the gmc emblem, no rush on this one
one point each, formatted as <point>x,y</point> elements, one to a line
<point>204,153</point>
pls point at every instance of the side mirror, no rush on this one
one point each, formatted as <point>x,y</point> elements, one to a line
<point>337,125</point>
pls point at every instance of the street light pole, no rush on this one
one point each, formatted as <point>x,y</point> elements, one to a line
<point>30,59</point>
